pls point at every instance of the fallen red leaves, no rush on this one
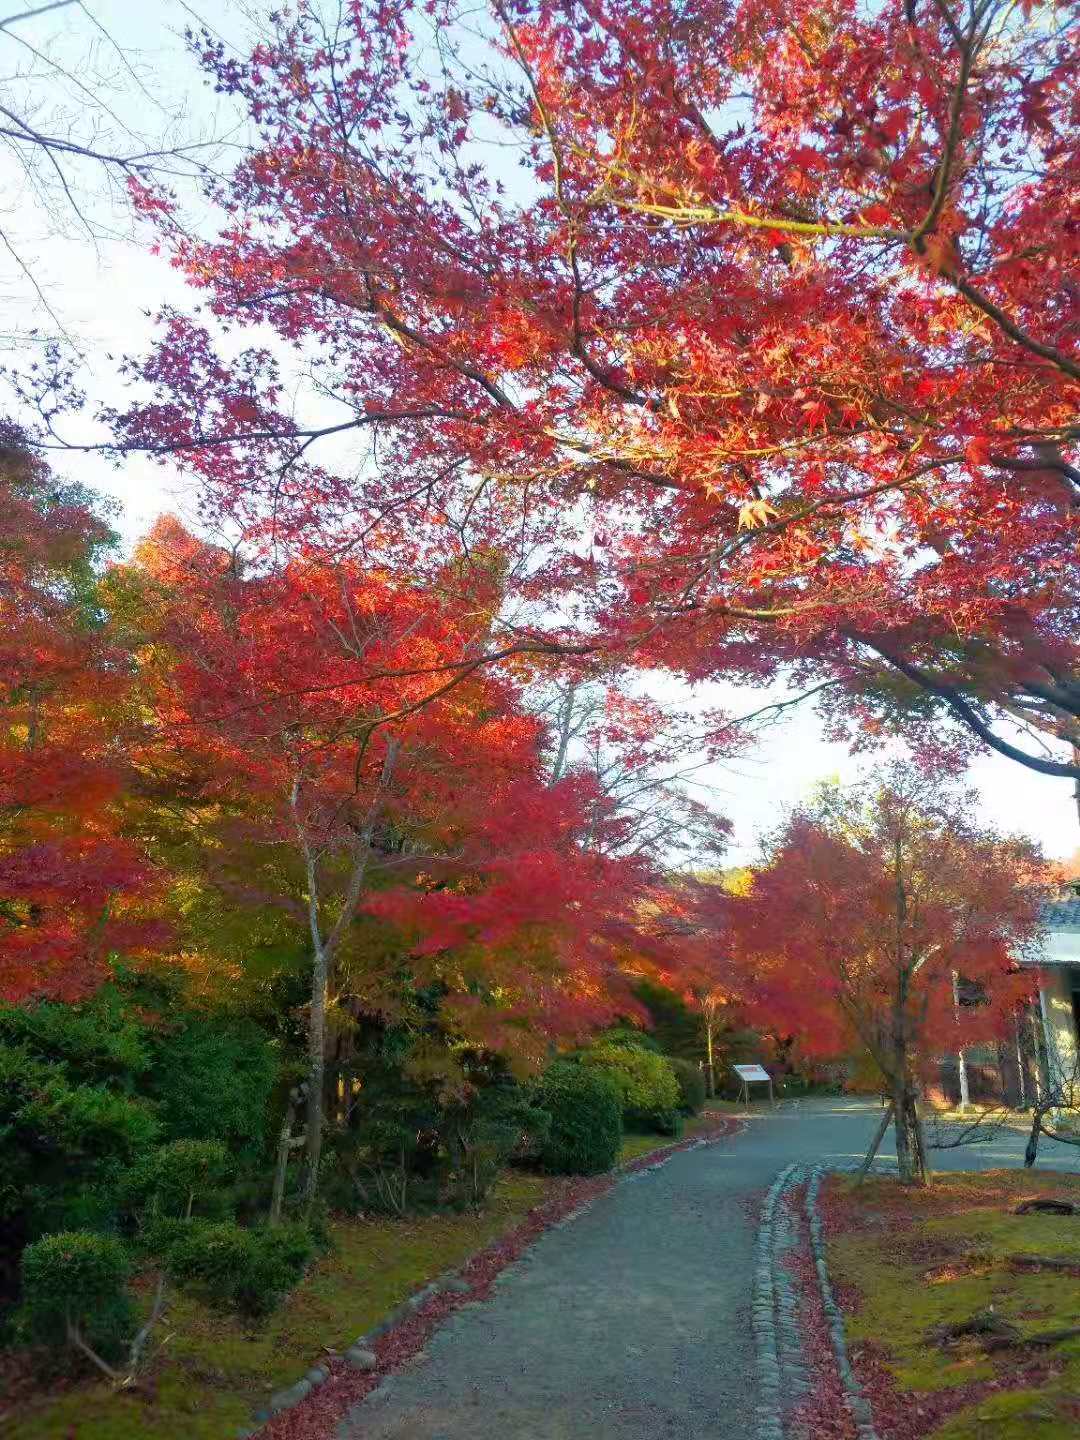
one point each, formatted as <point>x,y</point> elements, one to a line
<point>823,1415</point>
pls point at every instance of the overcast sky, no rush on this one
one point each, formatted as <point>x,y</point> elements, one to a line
<point>102,290</point>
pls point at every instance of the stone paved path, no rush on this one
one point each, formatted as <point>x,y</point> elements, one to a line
<point>632,1322</point>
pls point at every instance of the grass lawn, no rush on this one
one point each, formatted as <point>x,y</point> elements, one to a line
<point>906,1262</point>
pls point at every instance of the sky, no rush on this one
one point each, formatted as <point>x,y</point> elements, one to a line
<point>104,290</point>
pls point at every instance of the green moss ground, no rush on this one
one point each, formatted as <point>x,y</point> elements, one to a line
<point>213,1370</point>
<point>915,1260</point>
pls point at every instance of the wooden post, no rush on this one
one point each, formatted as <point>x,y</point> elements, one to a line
<point>875,1145</point>
<point>286,1144</point>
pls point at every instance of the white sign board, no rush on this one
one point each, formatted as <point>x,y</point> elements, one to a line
<point>751,1072</point>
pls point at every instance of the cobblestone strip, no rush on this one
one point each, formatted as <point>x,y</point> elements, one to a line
<point>794,1374</point>
<point>768,1338</point>
<point>857,1402</point>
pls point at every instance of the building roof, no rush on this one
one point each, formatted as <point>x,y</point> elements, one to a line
<point>1060,944</point>
<point>1062,914</point>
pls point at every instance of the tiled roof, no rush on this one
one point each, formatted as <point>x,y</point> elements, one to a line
<point>1061,914</point>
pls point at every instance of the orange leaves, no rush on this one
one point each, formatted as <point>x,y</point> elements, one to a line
<point>697,320</point>
<point>755,513</point>
<point>70,882</point>
<point>817,935</point>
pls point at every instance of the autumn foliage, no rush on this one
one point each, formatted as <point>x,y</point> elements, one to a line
<point>70,879</point>
<point>888,921</point>
<point>763,345</point>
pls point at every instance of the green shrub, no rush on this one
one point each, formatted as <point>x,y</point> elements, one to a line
<point>245,1270</point>
<point>644,1081</point>
<point>585,1131</point>
<point>74,1285</point>
<point>282,1254</point>
<point>691,1085</point>
<point>168,1180</point>
<point>482,1132</point>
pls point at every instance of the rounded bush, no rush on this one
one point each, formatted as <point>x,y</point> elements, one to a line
<point>644,1081</point>
<point>76,1280</point>
<point>691,1084</point>
<point>245,1270</point>
<point>585,1134</point>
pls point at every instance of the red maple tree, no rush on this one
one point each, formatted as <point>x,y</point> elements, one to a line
<point>875,908</point>
<point>70,881</point>
<point>317,699</point>
<point>765,346</point>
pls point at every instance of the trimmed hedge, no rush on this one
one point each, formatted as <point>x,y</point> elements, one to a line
<point>691,1085</point>
<point>76,1280</point>
<point>586,1123</point>
<point>245,1270</point>
<point>645,1083</point>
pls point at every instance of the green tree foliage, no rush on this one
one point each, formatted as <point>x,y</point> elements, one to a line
<point>169,1180</point>
<point>676,1029</point>
<point>213,1080</point>
<point>104,1106</point>
<point>64,1144</point>
<point>691,1085</point>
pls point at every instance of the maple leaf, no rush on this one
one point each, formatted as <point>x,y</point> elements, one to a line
<point>754,513</point>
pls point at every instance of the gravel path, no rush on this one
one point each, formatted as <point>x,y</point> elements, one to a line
<point>633,1321</point>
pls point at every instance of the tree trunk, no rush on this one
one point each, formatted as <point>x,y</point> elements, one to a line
<point>316,1076</point>
<point>710,1073</point>
<point>875,1145</point>
<point>285,1145</point>
<point>1031,1151</point>
<point>910,1144</point>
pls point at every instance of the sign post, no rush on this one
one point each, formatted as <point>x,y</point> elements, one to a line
<point>753,1075</point>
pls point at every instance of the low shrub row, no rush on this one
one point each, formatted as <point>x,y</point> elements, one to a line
<point>140,1154</point>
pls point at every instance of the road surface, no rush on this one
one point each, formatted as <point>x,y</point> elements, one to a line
<point>632,1321</point>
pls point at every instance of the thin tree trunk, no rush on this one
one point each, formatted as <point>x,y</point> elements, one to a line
<point>710,1073</point>
<point>965,1096</point>
<point>1031,1150</point>
<point>910,1144</point>
<point>285,1144</point>
<point>961,1063</point>
<point>316,1075</point>
<point>875,1145</point>
<point>904,1159</point>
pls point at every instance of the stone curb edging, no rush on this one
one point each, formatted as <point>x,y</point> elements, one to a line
<point>359,1355</point>
<point>857,1403</point>
<point>769,1411</point>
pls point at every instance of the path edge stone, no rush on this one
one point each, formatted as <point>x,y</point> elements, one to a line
<point>857,1403</point>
